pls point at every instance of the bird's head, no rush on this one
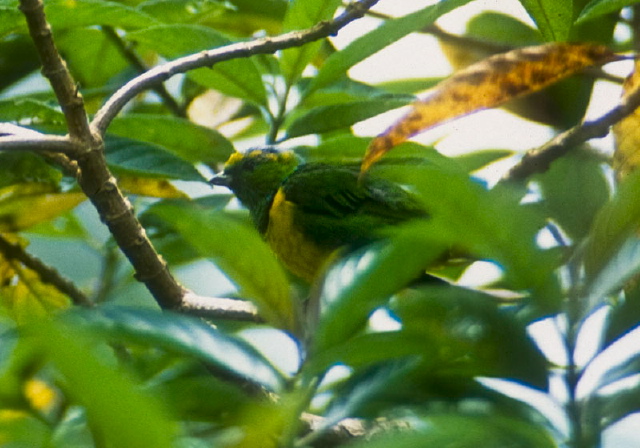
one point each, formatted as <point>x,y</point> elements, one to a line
<point>256,174</point>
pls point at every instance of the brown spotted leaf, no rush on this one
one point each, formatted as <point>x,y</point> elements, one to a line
<point>490,83</point>
<point>626,157</point>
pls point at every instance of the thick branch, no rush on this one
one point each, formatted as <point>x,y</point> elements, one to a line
<point>51,143</point>
<point>207,58</point>
<point>539,159</point>
<point>55,69</point>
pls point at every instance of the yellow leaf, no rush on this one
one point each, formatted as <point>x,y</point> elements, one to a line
<point>156,188</point>
<point>627,132</point>
<point>27,204</point>
<point>490,83</point>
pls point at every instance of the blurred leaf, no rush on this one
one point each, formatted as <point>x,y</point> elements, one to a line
<point>339,116</point>
<point>139,159</point>
<point>574,189</point>
<point>11,19</point>
<point>155,188</point>
<point>145,422</point>
<point>360,282</point>
<point>466,431</point>
<point>91,56</point>
<point>18,57</point>
<point>487,84</point>
<point>26,167</point>
<point>616,221</point>
<point>240,252</point>
<point>303,14</point>
<point>239,77</point>
<point>26,204</point>
<point>83,13</point>
<point>626,157</point>
<point>554,18</point>
<point>616,406</point>
<point>624,314</point>
<point>18,429</point>
<point>479,159</point>
<point>337,65</point>
<point>598,8</point>
<point>184,335</point>
<point>409,86</point>
<point>503,29</point>
<point>187,140</point>
<point>183,11</point>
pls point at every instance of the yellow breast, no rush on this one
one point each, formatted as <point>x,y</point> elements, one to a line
<point>299,255</point>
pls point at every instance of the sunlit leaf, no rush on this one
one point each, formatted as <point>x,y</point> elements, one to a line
<point>503,29</point>
<point>479,159</point>
<point>155,188</point>
<point>26,204</point>
<point>240,252</point>
<point>626,132</point>
<point>490,83</point>
<point>184,335</point>
<point>30,111</point>
<point>554,18</point>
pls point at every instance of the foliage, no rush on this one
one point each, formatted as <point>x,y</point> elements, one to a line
<point>416,365</point>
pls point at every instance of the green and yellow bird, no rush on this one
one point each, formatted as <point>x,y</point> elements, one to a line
<point>306,211</point>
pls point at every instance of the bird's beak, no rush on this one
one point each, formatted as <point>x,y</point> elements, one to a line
<point>220,180</point>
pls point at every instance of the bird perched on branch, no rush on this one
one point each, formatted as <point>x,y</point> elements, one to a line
<point>306,211</point>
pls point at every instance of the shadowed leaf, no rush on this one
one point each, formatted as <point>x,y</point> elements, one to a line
<point>490,83</point>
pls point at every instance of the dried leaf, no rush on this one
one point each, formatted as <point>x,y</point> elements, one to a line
<point>490,83</point>
<point>627,132</point>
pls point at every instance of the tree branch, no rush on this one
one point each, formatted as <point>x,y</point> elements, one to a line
<point>539,159</point>
<point>46,273</point>
<point>207,58</point>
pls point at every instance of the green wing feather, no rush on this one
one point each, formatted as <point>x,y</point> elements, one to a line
<point>334,209</point>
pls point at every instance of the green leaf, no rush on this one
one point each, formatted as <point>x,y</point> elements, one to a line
<point>337,65</point>
<point>24,167</point>
<point>598,8</point>
<point>18,49</point>
<point>364,280</point>
<point>137,158</point>
<point>83,13</point>
<point>11,19</point>
<point>184,335</point>
<point>477,160</point>
<point>240,252</point>
<point>145,422</point>
<point>303,14</point>
<point>239,77</point>
<point>574,190</point>
<point>339,116</point>
<point>502,28</point>
<point>554,18</point>
<point>183,11</point>
<point>37,112</point>
<point>613,408</point>
<point>466,431</point>
<point>180,136</point>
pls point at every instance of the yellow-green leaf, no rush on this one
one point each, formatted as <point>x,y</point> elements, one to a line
<point>627,132</point>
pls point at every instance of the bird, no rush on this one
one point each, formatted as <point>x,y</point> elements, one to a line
<point>308,211</point>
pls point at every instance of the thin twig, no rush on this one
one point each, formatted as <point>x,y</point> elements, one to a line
<point>137,63</point>
<point>539,159</point>
<point>220,308</point>
<point>46,273</point>
<point>51,143</point>
<point>207,58</point>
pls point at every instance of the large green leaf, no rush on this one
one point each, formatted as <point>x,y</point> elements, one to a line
<point>11,19</point>
<point>598,8</point>
<point>182,137</point>
<point>574,189</point>
<point>239,77</point>
<point>240,252</point>
<point>25,109</point>
<point>336,66</point>
<point>142,159</point>
<point>339,116</point>
<point>465,431</point>
<point>357,284</point>
<point>553,17</point>
<point>83,13</point>
<point>303,14</point>
<point>183,11</point>
<point>502,28</point>
<point>184,335</point>
<point>145,422</point>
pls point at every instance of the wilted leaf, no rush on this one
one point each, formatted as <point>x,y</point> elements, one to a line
<point>627,132</point>
<point>24,205</point>
<point>490,83</point>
